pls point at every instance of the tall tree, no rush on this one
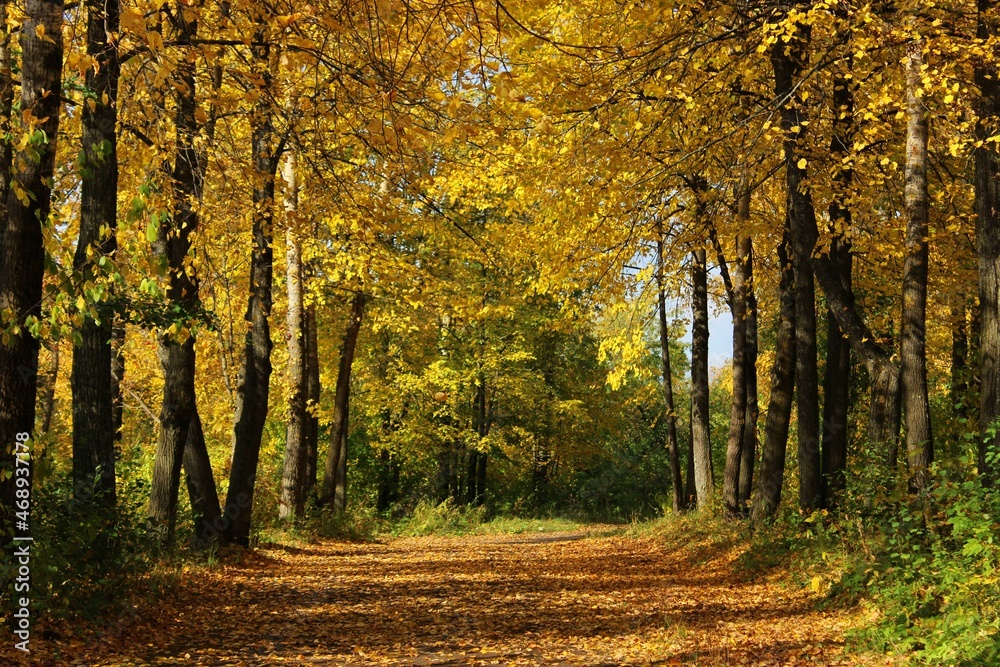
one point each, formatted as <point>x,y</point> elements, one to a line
<point>676,483</point>
<point>173,245</point>
<point>987,180</point>
<point>293,477</point>
<point>788,60</point>
<point>312,398</point>
<point>748,448</point>
<point>27,204</point>
<point>92,380</point>
<point>737,418</point>
<point>779,410</point>
<point>700,432</point>
<point>335,479</point>
<point>913,330</point>
<point>837,380</point>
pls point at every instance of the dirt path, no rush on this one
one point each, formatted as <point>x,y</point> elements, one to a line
<point>564,599</point>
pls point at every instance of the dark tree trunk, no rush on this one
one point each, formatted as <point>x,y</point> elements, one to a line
<point>676,483</point>
<point>254,385</point>
<point>92,382</point>
<point>292,501</point>
<point>690,491</point>
<point>335,479</point>
<point>22,252</point>
<point>837,381</point>
<point>701,443</point>
<point>749,447</point>
<point>481,478</point>
<point>48,388</point>
<point>913,330</point>
<point>788,59</point>
<point>388,483</point>
<point>313,397</point>
<point>987,179</point>
<point>779,409</point>
<point>177,357</point>
<point>959,360</point>
<point>738,414</point>
<point>201,486</point>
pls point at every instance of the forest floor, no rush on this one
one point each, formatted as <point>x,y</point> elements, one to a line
<point>590,597</point>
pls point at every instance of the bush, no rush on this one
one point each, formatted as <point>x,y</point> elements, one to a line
<point>934,576</point>
<point>446,518</point>
<point>86,562</point>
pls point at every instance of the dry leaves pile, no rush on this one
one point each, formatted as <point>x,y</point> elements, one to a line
<point>552,599</point>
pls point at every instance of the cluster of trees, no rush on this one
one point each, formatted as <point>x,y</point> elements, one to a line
<point>490,208</point>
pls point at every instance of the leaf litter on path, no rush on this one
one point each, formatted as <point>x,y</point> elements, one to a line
<point>570,599</point>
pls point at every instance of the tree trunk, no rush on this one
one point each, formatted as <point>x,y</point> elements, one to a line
<point>22,251</point>
<point>749,446</point>
<point>913,330</point>
<point>987,179</point>
<point>177,357</point>
<point>335,479</point>
<point>388,483</point>
<point>779,409</point>
<point>703,478</point>
<point>91,380</point>
<point>837,380</point>
<point>738,414</point>
<point>313,398</point>
<point>676,483</point>
<point>292,501</point>
<point>48,389</point>
<point>253,389</point>
<point>959,360</point>
<point>787,59</point>
<point>481,478</point>
<point>201,486</point>
<point>690,491</point>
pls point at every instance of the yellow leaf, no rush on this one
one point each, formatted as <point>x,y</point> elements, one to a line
<point>802,163</point>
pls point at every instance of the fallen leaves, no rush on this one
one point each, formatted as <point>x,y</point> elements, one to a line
<point>484,600</point>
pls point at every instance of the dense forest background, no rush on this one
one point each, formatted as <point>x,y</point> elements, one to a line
<point>318,267</point>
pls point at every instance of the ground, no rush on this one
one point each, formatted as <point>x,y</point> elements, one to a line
<point>574,598</point>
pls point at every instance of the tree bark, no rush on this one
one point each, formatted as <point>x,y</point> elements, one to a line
<point>913,330</point>
<point>335,479</point>
<point>959,359</point>
<point>253,388</point>
<point>738,413</point>
<point>22,251</point>
<point>177,356</point>
<point>313,398</point>
<point>787,60</point>
<point>779,409</point>
<point>703,478</point>
<point>749,447</point>
<point>201,486</point>
<point>292,501</point>
<point>676,483</point>
<point>91,381</point>
<point>837,380</point>
<point>987,180</point>
<point>48,389</point>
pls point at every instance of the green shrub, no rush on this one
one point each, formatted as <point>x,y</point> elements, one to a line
<point>445,518</point>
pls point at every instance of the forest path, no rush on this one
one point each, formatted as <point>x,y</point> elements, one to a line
<point>546,599</point>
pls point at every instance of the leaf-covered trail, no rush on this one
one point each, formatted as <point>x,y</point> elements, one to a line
<point>553,599</point>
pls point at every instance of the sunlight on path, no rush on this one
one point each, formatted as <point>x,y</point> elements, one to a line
<point>553,599</point>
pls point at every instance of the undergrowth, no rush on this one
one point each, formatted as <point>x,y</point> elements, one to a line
<point>924,567</point>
